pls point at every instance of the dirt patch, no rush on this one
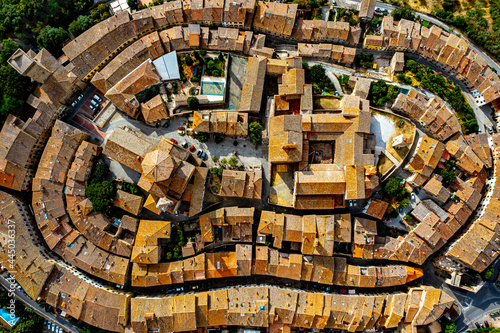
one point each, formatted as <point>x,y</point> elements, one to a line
<point>282,182</point>
<point>326,103</point>
<point>384,164</point>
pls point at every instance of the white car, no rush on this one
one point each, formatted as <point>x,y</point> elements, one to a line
<point>94,102</point>
<point>97,98</point>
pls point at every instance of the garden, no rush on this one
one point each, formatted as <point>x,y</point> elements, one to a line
<point>316,75</point>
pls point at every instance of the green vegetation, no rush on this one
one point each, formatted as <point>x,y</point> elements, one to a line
<point>364,60</point>
<point>233,161</point>
<point>488,273</point>
<point>173,249</point>
<point>408,218</point>
<point>217,171</point>
<point>130,188</point>
<point>316,75</point>
<point>15,88</point>
<point>147,94</point>
<point>448,327</point>
<point>394,188</point>
<point>215,67</point>
<point>193,102</point>
<point>404,203</point>
<point>448,173</point>
<point>100,194</point>
<point>404,12</point>
<point>343,80</point>
<point>403,78</point>
<point>102,170</point>
<point>446,90</point>
<point>223,161</point>
<point>381,93</point>
<point>215,159</point>
<point>83,23</point>
<point>202,137</point>
<point>255,130</point>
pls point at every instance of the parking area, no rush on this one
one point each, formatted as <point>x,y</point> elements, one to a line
<point>92,105</point>
<point>49,327</point>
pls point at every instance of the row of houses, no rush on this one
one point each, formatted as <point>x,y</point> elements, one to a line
<point>436,220</point>
<point>282,309</point>
<point>478,247</point>
<point>247,261</point>
<point>68,291</point>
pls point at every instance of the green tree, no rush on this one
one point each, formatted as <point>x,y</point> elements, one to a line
<point>52,38</point>
<point>132,4</point>
<point>80,25</point>
<point>255,130</point>
<point>448,176</point>
<point>404,203</point>
<point>215,159</point>
<point>193,102</point>
<point>8,49</point>
<point>100,194</point>
<point>101,172</point>
<point>215,72</point>
<point>233,161</point>
<point>188,60</point>
<point>412,65</point>
<point>223,161</point>
<point>404,12</point>
<point>316,74</point>
<point>450,328</point>
<point>211,65</point>
<point>394,187</point>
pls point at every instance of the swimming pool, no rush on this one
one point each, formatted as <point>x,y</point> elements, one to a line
<point>6,317</point>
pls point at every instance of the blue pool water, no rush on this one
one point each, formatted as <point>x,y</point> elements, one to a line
<point>6,316</point>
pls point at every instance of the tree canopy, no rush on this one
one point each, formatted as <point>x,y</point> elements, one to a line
<point>255,130</point>
<point>51,38</point>
<point>80,25</point>
<point>100,194</point>
<point>193,102</point>
<point>394,188</point>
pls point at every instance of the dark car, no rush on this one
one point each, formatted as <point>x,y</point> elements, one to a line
<point>192,148</point>
<point>166,125</point>
<point>203,156</point>
<point>199,152</point>
<point>173,140</point>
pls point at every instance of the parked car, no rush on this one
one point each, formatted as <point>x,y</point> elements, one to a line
<point>173,140</point>
<point>91,107</point>
<point>97,98</point>
<point>490,130</point>
<point>184,144</point>
<point>181,128</point>
<point>199,152</point>
<point>203,156</point>
<point>494,128</point>
<point>192,148</point>
<point>182,133</point>
<point>166,125</point>
<point>94,102</point>
<point>74,103</point>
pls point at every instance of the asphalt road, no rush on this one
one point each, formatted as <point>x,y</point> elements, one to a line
<point>27,301</point>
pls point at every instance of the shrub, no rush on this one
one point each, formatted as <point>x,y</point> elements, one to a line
<point>223,161</point>
<point>408,217</point>
<point>215,72</point>
<point>192,91</point>
<point>211,65</point>
<point>215,159</point>
<point>195,79</point>
<point>233,161</point>
<point>203,52</point>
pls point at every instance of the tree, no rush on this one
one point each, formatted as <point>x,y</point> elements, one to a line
<point>316,74</point>
<point>215,72</point>
<point>80,25</point>
<point>132,4</point>
<point>100,194</point>
<point>448,176</point>
<point>51,39</point>
<point>233,161</point>
<point>193,102</point>
<point>215,159</point>
<point>188,60</point>
<point>394,187</point>
<point>8,49</point>
<point>450,328</point>
<point>412,65</point>
<point>404,203</point>
<point>101,172</point>
<point>404,12</point>
<point>211,65</point>
<point>255,130</point>
<point>223,161</point>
